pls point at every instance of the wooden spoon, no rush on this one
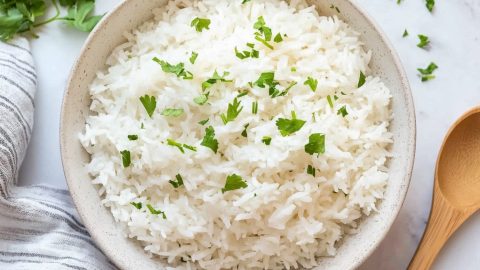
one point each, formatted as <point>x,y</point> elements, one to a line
<point>456,193</point>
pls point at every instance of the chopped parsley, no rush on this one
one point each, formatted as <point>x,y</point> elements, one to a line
<point>255,107</point>
<point>335,7</point>
<point>423,41</point>
<point>430,4</point>
<point>361,79</point>
<point>244,93</point>
<point>244,132</point>
<point>172,112</point>
<point>233,111</point>
<point>311,170</point>
<point>126,158</point>
<point>193,57</point>
<point>181,146</point>
<point>264,33</point>
<point>246,54</point>
<point>137,205</point>
<point>245,1</point>
<point>342,111</point>
<point>293,69</point>
<point>202,99</point>
<point>178,182</point>
<point>149,103</point>
<point>405,33</point>
<point>215,79</point>
<point>209,139</point>
<point>178,69</point>
<point>330,101</point>
<point>316,144</point>
<point>153,211</point>
<point>203,122</point>
<point>132,137</point>
<point>266,140</point>
<point>268,79</point>
<point>427,73</point>
<point>278,38</point>
<point>289,126</point>
<point>312,83</point>
<point>234,182</point>
<point>200,24</point>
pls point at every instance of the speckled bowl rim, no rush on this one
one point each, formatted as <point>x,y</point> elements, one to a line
<point>411,141</point>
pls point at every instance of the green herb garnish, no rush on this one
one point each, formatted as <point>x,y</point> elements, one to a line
<point>361,79</point>
<point>244,93</point>
<point>423,41</point>
<point>233,111</point>
<point>137,205</point>
<point>193,57</point>
<point>316,144</point>
<point>178,69</point>
<point>312,83</point>
<point>330,101</point>
<point>264,33</point>
<point>342,111</point>
<point>255,107</point>
<point>405,33</point>
<point>244,132</point>
<point>153,211</point>
<point>215,79</point>
<point>202,99</point>
<point>172,112</point>
<point>209,139</point>
<point>430,4</point>
<point>203,122</point>
<point>289,126</point>
<point>149,103</point>
<point>181,146</point>
<point>278,38</point>
<point>126,158</point>
<point>245,1</point>
<point>427,73</point>
<point>132,137</point>
<point>178,182</point>
<point>234,182</point>
<point>266,140</point>
<point>311,170</point>
<point>200,24</point>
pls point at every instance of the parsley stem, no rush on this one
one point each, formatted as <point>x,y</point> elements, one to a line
<point>57,11</point>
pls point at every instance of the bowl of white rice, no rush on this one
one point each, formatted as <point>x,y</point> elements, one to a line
<point>262,134</point>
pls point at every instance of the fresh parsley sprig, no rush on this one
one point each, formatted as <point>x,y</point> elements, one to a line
<point>149,103</point>
<point>233,111</point>
<point>178,69</point>
<point>289,126</point>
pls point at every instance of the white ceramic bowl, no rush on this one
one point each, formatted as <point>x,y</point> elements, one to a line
<point>126,253</point>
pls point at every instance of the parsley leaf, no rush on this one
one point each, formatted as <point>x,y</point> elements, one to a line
<point>342,111</point>
<point>289,126</point>
<point>200,24</point>
<point>255,107</point>
<point>202,99</point>
<point>137,205</point>
<point>427,73</point>
<point>180,146</point>
<point>330,102</point>
<point>149,103</point>
<point>266,140</point>
<point>209,139</point>
<point>312,83</point>
<point>316,144</point>
<point>178,69</point>
<point>132,137</point>
<point>278,38</point>
<point>430,4</point>
<point>78,15</point>
<point>172,112</point>
<point>246,54</point>
<point>178,182</point>
<point>234,182</point>
<point>268,79</point>
<point>264,33</point>
<point>361,79</point>
<point>193,58</point>
<point>153,211</point>
<point>233,111</point>
<point>244,132</point>
<point>311,170</point>
<point>126,158</point>
<point>405,33</point>
<point>423,41</point>
<point>203,122</point>
<point>215,79</point>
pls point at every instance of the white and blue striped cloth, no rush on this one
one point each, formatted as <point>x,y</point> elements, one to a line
<point>39,226</point>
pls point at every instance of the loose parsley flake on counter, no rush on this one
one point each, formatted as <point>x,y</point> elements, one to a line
<point>289,126</point>
<point>178,182</point>
<point>312,83</point>
<point>342,111</point>
<point>266,140</point>
<point>209,139</point>
<point>423,41</point>
<point>172,112</point>
<point>126,161</point>
<point>361,80</point>
<point>132,137</point>
<point>311,170</point>
<point>178,69</point>
<point>427,73</point>
<point>137,205</point>
<point>234,182</point>
<point>215,79</point>
<point>233,111</point>
<point>153,211</point>
<point>430,4</point>
<point>200,24</point>
<point>149,103</point>
<point>193,57</point>
<point>181,146</point>
<point>316,144</point>
<point>405,33</point>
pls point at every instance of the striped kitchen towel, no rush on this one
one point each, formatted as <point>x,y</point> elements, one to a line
<point>39,227</point>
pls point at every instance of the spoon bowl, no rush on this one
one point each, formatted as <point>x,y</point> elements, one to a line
<point>456,193</point>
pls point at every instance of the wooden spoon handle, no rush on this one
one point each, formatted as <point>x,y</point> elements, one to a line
<point>444,220</point>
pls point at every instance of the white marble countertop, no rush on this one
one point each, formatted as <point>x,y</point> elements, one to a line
<point>455,35</point>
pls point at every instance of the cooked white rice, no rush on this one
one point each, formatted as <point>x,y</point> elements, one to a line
<point>285,218</point>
